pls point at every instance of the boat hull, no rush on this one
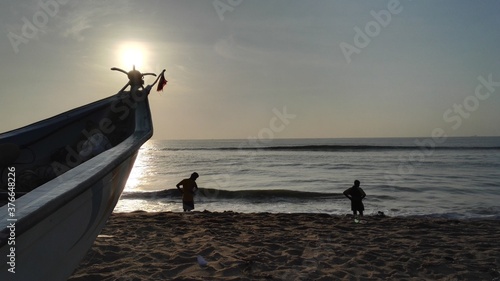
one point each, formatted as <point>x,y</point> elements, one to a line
<point>56,223</point>
<point>54,247</point>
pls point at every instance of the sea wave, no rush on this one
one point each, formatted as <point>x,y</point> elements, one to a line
<point>245,195</point>
<point>332,148</point>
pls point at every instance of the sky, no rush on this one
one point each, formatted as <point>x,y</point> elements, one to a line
<point>264,69</point>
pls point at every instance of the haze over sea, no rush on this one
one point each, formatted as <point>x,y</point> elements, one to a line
<point>457,178</point>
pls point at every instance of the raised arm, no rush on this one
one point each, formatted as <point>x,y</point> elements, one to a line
<point>179,186</point>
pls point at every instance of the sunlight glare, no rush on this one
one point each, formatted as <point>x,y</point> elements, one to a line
<point>132,53</point>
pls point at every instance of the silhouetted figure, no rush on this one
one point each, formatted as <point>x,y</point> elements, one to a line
<point>356,195</point>
<point>188,189</point>
<point>135,79</point>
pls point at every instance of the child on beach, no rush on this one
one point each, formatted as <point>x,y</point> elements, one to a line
<point>356,195</point>
<point>189,187</point>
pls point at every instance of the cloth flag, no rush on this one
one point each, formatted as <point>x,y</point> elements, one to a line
<point>161,83</point>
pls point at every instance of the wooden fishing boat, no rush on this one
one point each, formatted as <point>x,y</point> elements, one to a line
<point>62,177</point>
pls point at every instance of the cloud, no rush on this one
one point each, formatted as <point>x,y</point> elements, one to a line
<point>230,49</point>
<point>75,30</point>
<point>81,16</point>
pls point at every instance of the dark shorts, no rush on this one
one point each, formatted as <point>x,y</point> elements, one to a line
<point>188,205</point>
<point>357,205</point>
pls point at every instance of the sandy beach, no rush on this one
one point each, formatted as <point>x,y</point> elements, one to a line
<point>264,246</point>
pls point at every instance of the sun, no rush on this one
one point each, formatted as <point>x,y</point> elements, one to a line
<point>132,54</point>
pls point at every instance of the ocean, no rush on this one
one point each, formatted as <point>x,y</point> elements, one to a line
<point>452,177</point>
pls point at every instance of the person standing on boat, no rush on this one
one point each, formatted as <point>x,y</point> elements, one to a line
<point>356,195</point>
<point>188,189</point>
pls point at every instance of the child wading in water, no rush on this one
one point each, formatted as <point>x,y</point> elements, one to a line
<point>356,195</point>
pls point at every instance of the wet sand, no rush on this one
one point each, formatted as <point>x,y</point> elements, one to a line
<point>264,246</point>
